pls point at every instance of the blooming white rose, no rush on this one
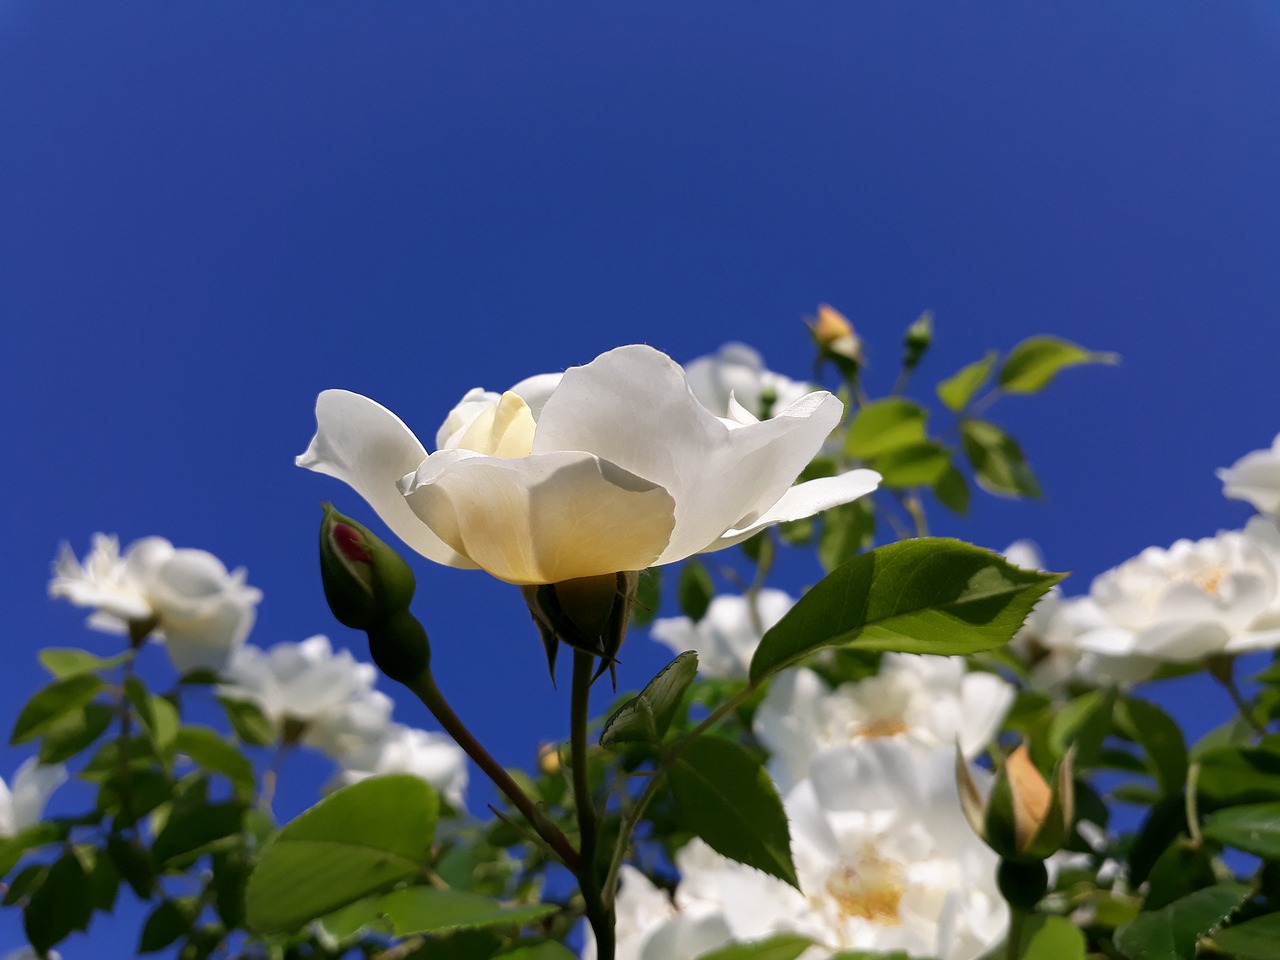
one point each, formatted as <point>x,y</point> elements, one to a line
<point>433,757</point>
<point>885,860</point>
<point>929,703</point>
<point>1255,477</point>
<point>203,612</point>
<point>1191,601</point>
<point>328,695</point>
<point>727,635</point>
<point>23,804</point>
<point>737,372</point>
<point>614,466</point>
<point>1049,641</point>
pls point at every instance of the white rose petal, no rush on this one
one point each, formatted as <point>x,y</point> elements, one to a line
<point>329,694</point>
<point>23,804</point>
<point>727,635</point>
<point>434,757</point>
<point>1255,477</point>
<point>735,377</point>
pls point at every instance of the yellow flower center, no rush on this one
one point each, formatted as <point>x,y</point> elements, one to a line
<point>503,430</point>
<point>883,727</point>
<point>1209,580</point>
<point>870,889</point>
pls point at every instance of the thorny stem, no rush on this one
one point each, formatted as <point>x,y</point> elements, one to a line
<point>424,685</point>
<point>599,914</point>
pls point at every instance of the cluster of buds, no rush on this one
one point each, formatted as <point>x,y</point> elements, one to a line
<point>1024,818</point>
<point>369,587</point>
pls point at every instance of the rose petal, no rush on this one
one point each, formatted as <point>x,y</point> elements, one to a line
<point>542,518</point>
<point>368,447</point>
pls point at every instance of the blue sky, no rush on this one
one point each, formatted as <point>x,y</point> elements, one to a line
<point>210,212</point>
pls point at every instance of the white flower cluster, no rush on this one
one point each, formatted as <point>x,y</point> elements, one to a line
<point>23,804</point>
<point>1192,601</point>
<point>326,700</point>
<point>204,613</point>
<point>884,856</point>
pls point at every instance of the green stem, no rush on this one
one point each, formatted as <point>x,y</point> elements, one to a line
<point>598,914</point>
<point>1223,669</point>
<point>629,824</point>
<point>424,685</point>
<point>1017,922</point>
<point>1192,805</point>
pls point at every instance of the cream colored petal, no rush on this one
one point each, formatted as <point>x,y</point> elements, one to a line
<point>543,518</point>
<point>805,500</point>
<point>632,407</point>
<point>369,448</point>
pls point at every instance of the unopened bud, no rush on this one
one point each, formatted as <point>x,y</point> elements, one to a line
<point>549,758</point>
<point>1024,818</point>
<point>919,336</point>
<point>834,335</point>
<point>399,647</point>
<point>365,581</point>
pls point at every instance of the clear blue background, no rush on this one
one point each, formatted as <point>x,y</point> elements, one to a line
<point>211,211</point>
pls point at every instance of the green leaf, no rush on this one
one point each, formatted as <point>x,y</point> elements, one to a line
<point>64,662</point>
<point>249,722</point>
<point>165,925</point>
<point>952,490</point>
<point>355,842</point>
<point>883,425</point>
<point>36,835</point>
<point>428,910</point>
<point>1161,738</point>
<point>53,702</point>
<point>997,460</point>
<point>1051,938</point>
<point>74,731</point>
<point>917,465</point>
<point>724,796</point>
<point>646,717</point>
<point>1230,776</point>
<point>134,863</point>
<point>1171,933</point>
<point>164,722</point>
<point>1036,361</point>
<point>59,905</point>
<point>648,597</point>
<point>694,590</point>
<point>1253,828</point>
<point>192,830</point>
<point>929,595</point>
<point>1083,723</point>
<point>957,390</point>
<point>846,531</point>
<point>207,748</point>
<point>546,950</point>
<point>1257,939</point>
<point>781,946</point>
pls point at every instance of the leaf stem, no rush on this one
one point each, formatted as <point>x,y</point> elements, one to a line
<point>1222,669</point>
<point>424,685</point>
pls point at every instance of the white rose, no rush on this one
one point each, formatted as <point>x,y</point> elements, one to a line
<point>727,635</point>
<point>1255,477</point>
<point>23,804</point>
<point>203,612</point>
<point>885,859</point>
<point>736,372</point>
<point>1194,600</point>
<point>328,695</point>
<point>434,757</point>
<point>929,703</point>
<point>617,467</point>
